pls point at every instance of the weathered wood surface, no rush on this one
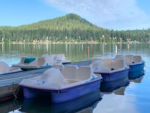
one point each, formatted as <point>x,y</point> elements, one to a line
<point>8,83</point>
<point>15,78</point>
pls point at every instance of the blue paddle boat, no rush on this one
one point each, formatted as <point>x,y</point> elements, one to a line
<point>110,69</point>
<point>135,63</point>
<point>70,83</point>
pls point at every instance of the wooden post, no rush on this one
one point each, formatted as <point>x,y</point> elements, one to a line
<point>128,46</point>
<point>87,51</point>
<point>116,49</point>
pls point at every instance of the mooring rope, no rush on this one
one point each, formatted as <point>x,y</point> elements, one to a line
<point>15,90</point>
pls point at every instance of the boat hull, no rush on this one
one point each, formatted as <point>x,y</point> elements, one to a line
<point>136,74</point>
<point>107,77</point>
<point>66,62</point>
<point>63,95</point>
<point>27,69</point>
<point>89,100</point>
<point>136,71</point>
<point>113,85</point>
<point>135,68</point>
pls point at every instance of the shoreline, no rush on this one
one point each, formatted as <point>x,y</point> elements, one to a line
<point>72,42</point>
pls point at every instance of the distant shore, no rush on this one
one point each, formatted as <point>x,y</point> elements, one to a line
<point>88,42</point>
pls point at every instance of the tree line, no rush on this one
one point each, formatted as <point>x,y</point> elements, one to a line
<point>69,27</point>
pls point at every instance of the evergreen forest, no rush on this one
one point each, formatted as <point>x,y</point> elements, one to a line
<point>67,28</point>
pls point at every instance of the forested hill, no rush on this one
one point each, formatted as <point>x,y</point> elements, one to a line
<point>67,28</point>
<point>68,22</point>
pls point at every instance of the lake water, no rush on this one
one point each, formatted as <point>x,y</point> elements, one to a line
<point>132,98</point>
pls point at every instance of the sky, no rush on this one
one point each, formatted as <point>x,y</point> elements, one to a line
<point>110,14</point>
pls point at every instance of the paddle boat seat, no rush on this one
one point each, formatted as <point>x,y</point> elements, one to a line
<point>57,57</point>
<point>94,60</point>
<point>58,66</point>
<point>119,56</point>
<point>69,72</point>
<point>52,56</point>
<point>133,60</point>
<point>137,59</point>
<point>20,63</point>
<point>108,65</point>
<point>4,68</point>
<point>61,57</point>
<point>61,80</point>
<point>129,59</point>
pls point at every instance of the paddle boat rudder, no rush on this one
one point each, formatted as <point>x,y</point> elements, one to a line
<point>70,83</point>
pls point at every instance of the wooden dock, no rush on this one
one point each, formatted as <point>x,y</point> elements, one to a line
<point>9,83</point>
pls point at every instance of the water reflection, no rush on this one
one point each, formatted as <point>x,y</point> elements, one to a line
<point>114,86</point>
<point>86,103</point>
<point>74,52</point>
<point>136,74</point>
<point>117,98</point>
<point>10,106</point>
<point>138,79</point>
<point>120,91</point>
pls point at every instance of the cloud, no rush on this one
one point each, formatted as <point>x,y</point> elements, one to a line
<point>116,14</point>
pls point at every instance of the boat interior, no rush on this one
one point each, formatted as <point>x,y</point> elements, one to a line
<point>43,61</point>
<point>132,60</point>
<point>69,76</point>
<point>20,63</point>
<point>57,57</point>
<point>108,65</point>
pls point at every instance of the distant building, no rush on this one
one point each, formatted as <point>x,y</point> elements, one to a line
<point>128,39</point>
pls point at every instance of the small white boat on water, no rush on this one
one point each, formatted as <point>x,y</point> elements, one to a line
<point>69,83</point>
<point>5,69</point>
<point>130,59</point>
<point>110,69</point>
<point>135,63</point>
<point>24,61</point>
<point>58,57</point>
<point>39,63</point>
